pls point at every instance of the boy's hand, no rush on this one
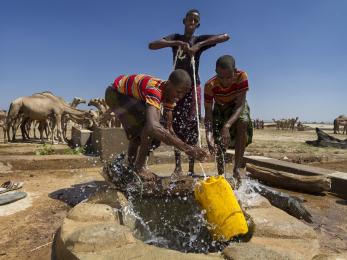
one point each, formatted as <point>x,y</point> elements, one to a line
<point>171,131</point>
<point>184,45</point>
<point>197,153</point>
<point>194,49</point>
<point>226,140</point>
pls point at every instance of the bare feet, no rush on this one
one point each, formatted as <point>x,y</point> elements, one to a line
<point>237,177</point>
<point>176,175</point>
<point>147,175</point>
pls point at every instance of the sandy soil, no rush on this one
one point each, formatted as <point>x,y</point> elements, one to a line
<point>53,193</point>
<point>59,185</point>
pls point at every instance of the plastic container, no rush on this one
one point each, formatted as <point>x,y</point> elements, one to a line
<point>223,212</point>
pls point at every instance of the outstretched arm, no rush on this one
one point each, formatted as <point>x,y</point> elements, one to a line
<point>211,40</point>
<point>163,43</point>
<point>214,39</point>
<point>157,131</point>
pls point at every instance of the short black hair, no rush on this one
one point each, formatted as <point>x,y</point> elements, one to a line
<point>193,11</point>
<point>226,62</point>
<point>179,76</point>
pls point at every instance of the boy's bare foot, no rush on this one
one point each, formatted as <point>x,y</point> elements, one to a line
<point>147,175</point>
<point>176,175</point>
<point>237,177</point>
<point>191,174</point>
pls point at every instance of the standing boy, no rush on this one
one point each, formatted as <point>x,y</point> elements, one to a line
<point>227,116</point>
<point>137,100</point>
<point>182,120</point>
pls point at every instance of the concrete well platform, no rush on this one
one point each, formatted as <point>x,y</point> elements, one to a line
<point>107,142</point>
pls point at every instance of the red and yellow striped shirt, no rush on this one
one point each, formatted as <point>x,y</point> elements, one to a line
<point>142,87</point>
<point>215,91</point>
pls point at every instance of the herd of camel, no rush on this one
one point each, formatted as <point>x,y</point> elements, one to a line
<point>50,114</point>
<point>284,124</point>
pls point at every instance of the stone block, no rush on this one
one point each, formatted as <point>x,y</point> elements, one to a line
<point>275,223</point>
<point>252,251</point>
<point>108,142</point>
<point>80,137</point>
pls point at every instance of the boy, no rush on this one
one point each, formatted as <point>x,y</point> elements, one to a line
<point>185,46</point>
<point>136,100</point>
<point>227,115</point>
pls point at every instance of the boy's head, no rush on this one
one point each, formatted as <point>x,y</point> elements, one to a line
<point>225,69</point>
<point>178,85</point>
<point>191,20</point>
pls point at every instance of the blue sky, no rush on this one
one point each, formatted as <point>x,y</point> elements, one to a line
<point>293,51</point>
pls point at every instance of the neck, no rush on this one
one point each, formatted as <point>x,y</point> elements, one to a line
<point>188,35</point>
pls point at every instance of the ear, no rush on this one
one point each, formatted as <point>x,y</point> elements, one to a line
<point>198,25</point>
<point>184,20</point>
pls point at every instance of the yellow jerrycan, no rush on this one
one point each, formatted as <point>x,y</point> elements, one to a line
<point>223,212</point>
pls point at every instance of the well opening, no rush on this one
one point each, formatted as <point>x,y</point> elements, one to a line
<point>173,222</point>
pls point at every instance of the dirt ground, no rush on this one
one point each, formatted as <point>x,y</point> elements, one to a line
<point>58,185</point>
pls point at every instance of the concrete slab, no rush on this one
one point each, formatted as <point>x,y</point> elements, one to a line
<point>12,208</point>
<point>51,162</point>
<point>108,142</point>
<point>338,179</point>
<point>81,137</point>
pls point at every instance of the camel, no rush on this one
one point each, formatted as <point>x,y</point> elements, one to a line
<point>40,107</point>
<point>44,125</point>
<point>76,101</point>
<point>340,121</point>
<point>292,122</point>
<point>280,124</point>
<point>258,124</point>
<point>99,104</point>
<point>3,114</point>
<point>65,119</point>
<point>277,122</point>
<point>300,126</point>
<point>106,117</point>
<point>26,123</point>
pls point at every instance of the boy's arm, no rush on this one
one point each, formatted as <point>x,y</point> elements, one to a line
<point>211,40</point>
<point>157,131</point>
<point>169,118</point>
<point>168,41</point>
<point>239,104</point>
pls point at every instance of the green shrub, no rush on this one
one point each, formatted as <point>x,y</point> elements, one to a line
<point>75,151</point>
<point>45,149</point>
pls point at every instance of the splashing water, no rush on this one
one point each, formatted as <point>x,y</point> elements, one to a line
<point>247,193</point>
<point>175,223</point>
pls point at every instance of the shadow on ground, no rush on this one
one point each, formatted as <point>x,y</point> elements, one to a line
<point>78,192</point>
<point>342,202</point>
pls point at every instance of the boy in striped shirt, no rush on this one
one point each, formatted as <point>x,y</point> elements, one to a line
<point>227,116</point>
<point>137,100</point>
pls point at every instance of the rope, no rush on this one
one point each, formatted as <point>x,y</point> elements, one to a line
<point>179,50</point>
<point>192,61</point>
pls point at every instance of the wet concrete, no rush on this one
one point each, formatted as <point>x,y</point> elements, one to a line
<point>329,215</point>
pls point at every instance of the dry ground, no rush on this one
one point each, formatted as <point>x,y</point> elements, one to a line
<point>54,191</point>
